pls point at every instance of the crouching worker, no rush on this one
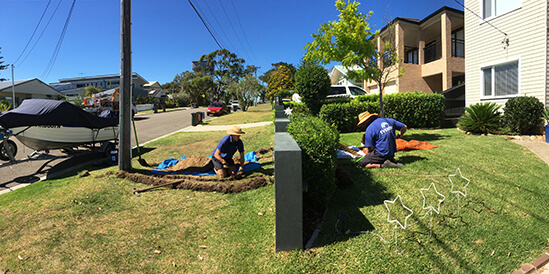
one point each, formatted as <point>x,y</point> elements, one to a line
<point>380,138</point>
<point>222,157</point>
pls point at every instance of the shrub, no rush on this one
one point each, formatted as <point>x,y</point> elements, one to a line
<point>480,118</point>
<point>367,98</point>
<point>285,93</point>
<point>312,83</point>
<point>345,116</point>
<point>319,143</point>
<point>4,105</point>
<point>523,113</point>
<point>182,99</point>
<point>415,109</point>
<point>297,107</point>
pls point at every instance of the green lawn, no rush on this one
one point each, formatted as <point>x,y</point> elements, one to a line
<point>95,223</point>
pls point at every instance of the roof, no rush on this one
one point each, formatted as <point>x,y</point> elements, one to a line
<point>39,88</point>
<point>419,22</point>
<point>99,77</point>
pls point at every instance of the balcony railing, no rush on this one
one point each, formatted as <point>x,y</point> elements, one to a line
<point>458,48</point>
<point>432,52</point>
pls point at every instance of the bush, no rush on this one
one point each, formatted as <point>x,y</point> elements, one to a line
<point>319,143</point>
<point>521,114</point>
<point>312,83</point>
<point>415,109</point>
<point>345,116</point>
<point>297,107</point>
<point>481,118</point>
<point>182,99</point>
<point>285,93</point>
<point>367,98</point>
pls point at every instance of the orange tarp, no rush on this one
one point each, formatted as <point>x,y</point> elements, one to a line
<point>412,145</point>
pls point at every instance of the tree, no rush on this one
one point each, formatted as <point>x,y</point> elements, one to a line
<point>312,83</point>
<point>91,90</point>
<point>2,67</point>
<point>246,90</point>
<point>351,42</point>
<point>223,66</point>
<point>282,78</point>
<point>267,75</point>
<point>196,84</point>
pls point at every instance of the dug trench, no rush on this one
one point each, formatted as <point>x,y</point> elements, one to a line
<point>200,183</point>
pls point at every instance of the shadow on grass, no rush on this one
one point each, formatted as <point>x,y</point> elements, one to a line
<point>424,136</point>
<point>408,159</point>
<point>344,212</point>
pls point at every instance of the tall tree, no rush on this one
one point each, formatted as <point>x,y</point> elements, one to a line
<point>196,84</point>
<point>2,67</point>
<point>223,66</point>
<point>246,90</point>
<point>267,75</point>
<point>282,78</point>
<point>351,41</point>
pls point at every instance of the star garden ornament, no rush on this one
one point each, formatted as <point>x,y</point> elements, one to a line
<point>288,111</point>
<point>464,187</point>
<point>431,188</point>
<point>387,202</point>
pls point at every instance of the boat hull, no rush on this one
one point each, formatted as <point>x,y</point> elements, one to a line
<point>61,137</point>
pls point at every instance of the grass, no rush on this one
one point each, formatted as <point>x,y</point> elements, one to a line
<point>259,113</point>
<point>95,223</point>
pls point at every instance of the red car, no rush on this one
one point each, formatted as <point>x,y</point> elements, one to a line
<point>217,108</point>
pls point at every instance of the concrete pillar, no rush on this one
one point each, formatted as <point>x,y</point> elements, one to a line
<point>446,41</point>
<point>288,193</point>
<point>421,46</point>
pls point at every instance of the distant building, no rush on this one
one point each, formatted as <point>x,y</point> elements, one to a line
<point>338,76</point>
<point>28,89</point>
<point>105,82</point>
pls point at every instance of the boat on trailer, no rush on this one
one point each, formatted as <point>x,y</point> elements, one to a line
<point>43,125</point>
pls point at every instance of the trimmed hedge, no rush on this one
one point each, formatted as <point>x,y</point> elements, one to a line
<point>319,143</point>
<point>415,109</point>
<point>345,116</point>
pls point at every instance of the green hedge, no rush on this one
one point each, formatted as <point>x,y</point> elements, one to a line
<point>522,114</point>
<point>415,109</point>
<point>345,116</point>
<point>319,143</point>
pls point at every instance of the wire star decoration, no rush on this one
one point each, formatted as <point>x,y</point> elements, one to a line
<point>427,190</point>
<point>464,187</point>
<point>288,111</point>
<point>386,202</point>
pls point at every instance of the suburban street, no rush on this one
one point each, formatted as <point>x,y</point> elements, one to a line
<point>149,126</point>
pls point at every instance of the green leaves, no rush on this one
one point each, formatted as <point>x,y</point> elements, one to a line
<point>522,113</point>
<point>481,118</point>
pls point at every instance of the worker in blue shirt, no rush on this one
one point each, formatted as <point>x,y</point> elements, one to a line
<point>222,156</point>
<point>380,138</point>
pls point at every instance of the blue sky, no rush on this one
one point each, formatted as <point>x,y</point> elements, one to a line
<point>167,35</point>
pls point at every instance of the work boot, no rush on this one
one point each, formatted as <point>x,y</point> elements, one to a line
<point>389,164</point>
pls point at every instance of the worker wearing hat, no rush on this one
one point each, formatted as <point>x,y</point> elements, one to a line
<point>380,138</point>
<point>222,156</point>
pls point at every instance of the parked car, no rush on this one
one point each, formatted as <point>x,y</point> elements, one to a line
<point>234,105</point>
<point>217,108</point>
<point>339,91</point>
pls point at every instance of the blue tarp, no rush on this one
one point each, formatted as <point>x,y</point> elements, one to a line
<point>250,157</point>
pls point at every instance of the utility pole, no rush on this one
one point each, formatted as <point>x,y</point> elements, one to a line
<point>125,156</point>
<point>12,88</point>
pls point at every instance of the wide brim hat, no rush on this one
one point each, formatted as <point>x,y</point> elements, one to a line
<point>236,130</point>
<point>363,117</point>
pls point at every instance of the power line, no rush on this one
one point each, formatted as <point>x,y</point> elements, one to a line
<point>201,19</point>
<point>42,33</point>
<point>219,25</point>
<point>480,17</point>
<point>244,33</point>
<point>58,46</point>
<point>34,32</point>
<point>232,27</point>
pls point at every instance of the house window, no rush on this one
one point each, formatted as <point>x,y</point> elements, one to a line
<point>501,80</point>
<point>458,44</point>
<point>493,8</point>
<point>411,55</point>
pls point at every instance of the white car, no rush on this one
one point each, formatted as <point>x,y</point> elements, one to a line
<point>234,105</point>
<point>340,91</point>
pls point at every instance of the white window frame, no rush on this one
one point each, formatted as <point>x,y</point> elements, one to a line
<point>493,65</point>
<point>493,4</point>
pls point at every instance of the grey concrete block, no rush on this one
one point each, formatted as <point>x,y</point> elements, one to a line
<point>288,193</point>
<point>281,124</point>
<point>280,114</point>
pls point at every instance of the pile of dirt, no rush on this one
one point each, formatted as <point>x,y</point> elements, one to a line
<point>198,183</point>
